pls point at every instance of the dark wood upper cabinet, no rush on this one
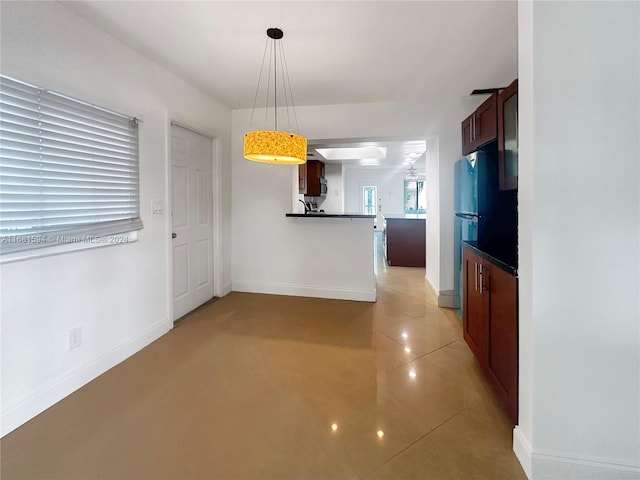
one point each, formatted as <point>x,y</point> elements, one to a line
<point>486,126</point>
<point>481,126</point>
<point>467,135</point>
<point>302,178</point>
<point>508,137</point>
<point>315,184</point>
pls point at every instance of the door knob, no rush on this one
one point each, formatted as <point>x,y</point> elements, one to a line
<point>174,235</point>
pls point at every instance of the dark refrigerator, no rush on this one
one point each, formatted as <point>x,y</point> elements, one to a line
<point>485,216</point>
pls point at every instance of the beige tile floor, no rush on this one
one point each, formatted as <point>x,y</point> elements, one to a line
<point>268,387</point>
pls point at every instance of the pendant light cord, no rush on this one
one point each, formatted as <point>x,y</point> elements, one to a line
<point>275,83</point>
<point>255,98</point>
<point>285,69</point>
<point>286,81</point>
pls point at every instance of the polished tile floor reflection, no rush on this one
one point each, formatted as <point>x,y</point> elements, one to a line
<point>268,387</point>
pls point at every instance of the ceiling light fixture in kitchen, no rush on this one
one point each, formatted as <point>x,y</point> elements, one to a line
<point>368,162</point>
<point>412,173</point>
<point>275,146</point>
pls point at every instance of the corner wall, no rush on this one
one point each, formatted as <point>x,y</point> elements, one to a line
<point>579,215</point>
<point>119,295</point>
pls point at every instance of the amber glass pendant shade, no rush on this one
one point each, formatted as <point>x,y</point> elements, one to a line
<point>280,148</point>
<point>275,146</point>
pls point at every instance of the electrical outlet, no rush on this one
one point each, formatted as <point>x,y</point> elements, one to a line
<point>75,338</point>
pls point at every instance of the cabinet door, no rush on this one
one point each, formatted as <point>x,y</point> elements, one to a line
<point>475,327</point>
<point>315,171</point>
<point>467,135</point>
<point>508,137</point>
<point>485,126</point>
<point>313,182</point>
<point>503,337</point>
<point>302,178</point>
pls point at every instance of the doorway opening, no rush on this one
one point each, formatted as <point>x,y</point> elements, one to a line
<point>369,200</point>
<point>415,196</point>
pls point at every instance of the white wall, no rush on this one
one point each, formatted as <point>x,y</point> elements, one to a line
<point>579,215</point>
<point>270,189</point>
<point>449,150</point>
<point>432,222</point>
<point>389,180</point>
<point>334,201</point>
<point>119,295</point>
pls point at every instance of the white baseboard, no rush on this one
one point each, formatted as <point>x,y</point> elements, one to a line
<point>226,289</point>
<point>560,466</point>
<point>433,289</point>
<point>548,465</point>
<point>24,411</point>
<point>306,291</point>
<point>444,298</point>
<point>522,449</point>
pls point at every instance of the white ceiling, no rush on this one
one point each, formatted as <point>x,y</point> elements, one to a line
<point>336,52</point>
<point>396,152</point>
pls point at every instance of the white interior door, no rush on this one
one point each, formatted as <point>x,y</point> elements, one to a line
<point>192,219</point>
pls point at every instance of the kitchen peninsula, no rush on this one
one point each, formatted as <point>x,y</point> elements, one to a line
<point>405,240</point>
<point>332,257</point>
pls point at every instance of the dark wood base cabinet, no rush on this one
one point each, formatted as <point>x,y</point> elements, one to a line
<point>405,242</point>
<point>490,325</point>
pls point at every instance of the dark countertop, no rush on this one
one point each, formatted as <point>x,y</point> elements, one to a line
<point>498,263</point>
<point>404,216</point>
<point>328,215</point>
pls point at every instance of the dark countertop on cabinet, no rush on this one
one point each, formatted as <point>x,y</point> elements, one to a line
<point>328,215</point>
<point>498,263</point>
<point>404,216</point>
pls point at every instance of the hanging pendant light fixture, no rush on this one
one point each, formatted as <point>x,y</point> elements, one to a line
<point>275,146</point>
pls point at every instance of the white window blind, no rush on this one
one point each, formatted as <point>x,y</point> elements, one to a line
<point>68,170</point>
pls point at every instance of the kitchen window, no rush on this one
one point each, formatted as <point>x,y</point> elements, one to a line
<point>68,172</point>
<point>415,196</point>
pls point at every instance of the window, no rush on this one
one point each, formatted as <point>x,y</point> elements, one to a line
<point>369,200</point>
<point>68,170</point>
<point>415,196</point>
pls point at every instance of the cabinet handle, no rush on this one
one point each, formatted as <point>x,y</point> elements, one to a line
<point>476,276</point>
<point>481,278</point>
<point>471,130</point>
<point>474,126</point>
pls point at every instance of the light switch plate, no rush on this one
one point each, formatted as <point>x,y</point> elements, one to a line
<point>156,207</point>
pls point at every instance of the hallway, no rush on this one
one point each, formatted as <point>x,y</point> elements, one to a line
<point>256,386</point>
